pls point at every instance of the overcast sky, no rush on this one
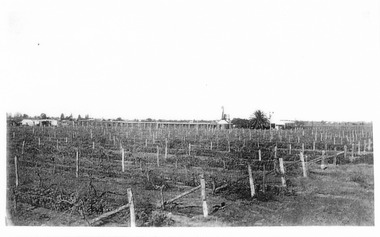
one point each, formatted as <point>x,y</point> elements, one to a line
<point>309,60</point>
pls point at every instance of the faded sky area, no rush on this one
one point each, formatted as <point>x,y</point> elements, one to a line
<point>307,60</point>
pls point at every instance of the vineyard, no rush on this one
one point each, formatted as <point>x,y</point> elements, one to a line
<point>133,176</point>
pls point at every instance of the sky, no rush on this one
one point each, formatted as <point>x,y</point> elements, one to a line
<point>307,60</point>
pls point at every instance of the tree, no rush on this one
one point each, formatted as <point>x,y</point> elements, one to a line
<point>62,116</point>
<point>25,116</point>
<point>70,117</point>
<point>79,117</point>
<point>87,116</point>
<point>240,123</point>
<point>43,116</point>
<point>259,120</point>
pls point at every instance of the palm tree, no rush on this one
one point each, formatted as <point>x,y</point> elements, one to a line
<point>259,120</point>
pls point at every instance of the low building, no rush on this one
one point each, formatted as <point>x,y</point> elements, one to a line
<point>27,122</point>
<point>39,122</point>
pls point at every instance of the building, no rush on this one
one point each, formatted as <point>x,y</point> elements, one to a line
<point>39,122</point>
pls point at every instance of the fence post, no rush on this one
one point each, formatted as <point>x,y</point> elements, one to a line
<point>162,196</point>
<point>323,160</point>
<point>122,160</point>
<point>251,183</point>
<point>189,149</point>
<point>369,144</point>
<point>290,149</point>
<point>303,165</point>
<point>282,170</point>
<point>314,146</point>
<point>203,193</point>
<point>16,171</point>
<point>158,156</point>
<point>166,148</point>
<point>131,208</point>
<point>335,156</point>
<point>23,145</point>
<point>39,141</point>
<point>211,146</point>
<point>77,164</point>
<point>275,152</point>
<point>259,155</point>
<point>345,151</point>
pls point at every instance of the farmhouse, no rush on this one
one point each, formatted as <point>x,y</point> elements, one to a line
<point>48,122</point>
<point>39,122</point>
<point>27,122</point>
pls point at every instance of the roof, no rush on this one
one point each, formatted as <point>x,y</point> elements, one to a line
<point>222,122</point>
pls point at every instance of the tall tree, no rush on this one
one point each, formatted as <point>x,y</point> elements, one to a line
<point>259,120</point>
<point>62,116</point>
<point>43,116</point>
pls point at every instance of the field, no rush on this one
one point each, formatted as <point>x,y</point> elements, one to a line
<point>69,176</point>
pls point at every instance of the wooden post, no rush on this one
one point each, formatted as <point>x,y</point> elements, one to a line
<point>323,166</point>
<point>229,146</point>
<point>77,164</point>
<point>166,148</point>
<point>203,194</point>
<point>39,141</point>
<point>189,149</point>
<point>303,165</point>
<point>23,145</point>
<point>275,152</point>
<point>66,139</point>
<point>290,149</point>
<point>93,145</point>
<point>131,208</point>
<point>211,146</point>
<point>282,170</point>
<point>314,146</point>
<point>264,189</point>
<point>251,183</point>
<point>359,148</point>
<point>335,156</point>
<point>16,170</point>
<point>158,157</point>
<point>259,155</point>
<point>345,152</point>
<point>162,196</point>
<point>122,160</point>
<point>369,145</point>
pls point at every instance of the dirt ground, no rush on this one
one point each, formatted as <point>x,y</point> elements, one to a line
<point>340,195</point>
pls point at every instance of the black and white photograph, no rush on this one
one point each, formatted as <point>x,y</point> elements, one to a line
<point>174,117</point>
